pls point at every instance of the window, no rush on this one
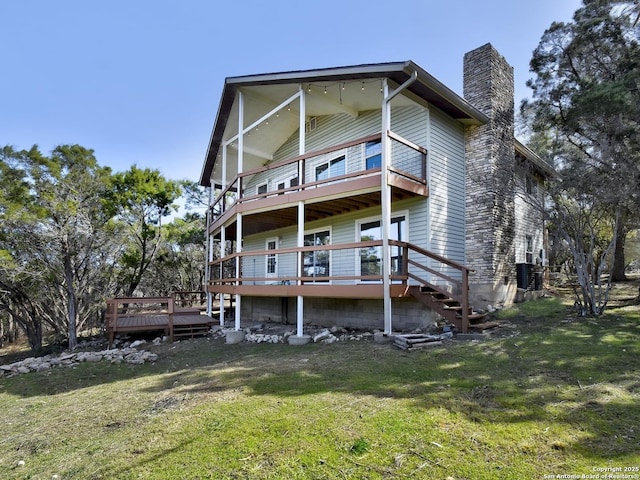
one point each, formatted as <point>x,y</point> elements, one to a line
<point>317,262</point>
<point>371,257</point>
<point>528,249</point>
<point>334,168</point>
<point>272,258</point>
<point>291,182</point>
<point>373,155</point>
<point>262,189</point>
<point>530,185</point>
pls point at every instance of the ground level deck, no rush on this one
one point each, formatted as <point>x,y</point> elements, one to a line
<point>140,314</point>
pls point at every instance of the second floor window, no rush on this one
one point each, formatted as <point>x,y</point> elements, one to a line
<point>334,168</point>
<point>373,155</point>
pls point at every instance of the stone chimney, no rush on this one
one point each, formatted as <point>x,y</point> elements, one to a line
<point>490,192</point>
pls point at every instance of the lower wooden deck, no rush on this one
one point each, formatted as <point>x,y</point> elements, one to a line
<point>187,325</point>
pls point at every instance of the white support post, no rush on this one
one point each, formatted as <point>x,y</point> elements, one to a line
<point>223,236</point>
<point>207,273</point>
<point>223,253</point>
<point>238,267</point>
<point>386,193</point>
<point>300,240</point>
<point>223,182</point>
<point>209,255</point>
<point>303,119</point>
<point>385,202</point>
<point>239,215</point>
<point>300,243</point>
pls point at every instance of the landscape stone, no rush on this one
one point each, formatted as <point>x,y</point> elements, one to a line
<point>40,364</point>
<point>322,336</point>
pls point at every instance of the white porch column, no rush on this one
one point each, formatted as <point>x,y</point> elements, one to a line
<point>239,194</point>
<point>238,266</point>
<point>209,255</point>
<point>385,202</point>
<point>301,150</point>
<point>223,233</point>
<point>386,193</point>
<point>207,272</point>
<point>299,270</point>
<point>223,252</point>
<point>299,338</point>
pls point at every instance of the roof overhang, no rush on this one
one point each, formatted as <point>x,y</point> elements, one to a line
<point>535,160</point>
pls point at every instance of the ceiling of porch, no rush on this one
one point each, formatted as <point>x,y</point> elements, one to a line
<point>288,217</point>
<point>270,132</point>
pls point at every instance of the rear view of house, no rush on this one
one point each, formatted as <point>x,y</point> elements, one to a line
<point>370,196</point>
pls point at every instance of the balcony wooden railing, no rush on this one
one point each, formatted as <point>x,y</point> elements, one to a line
<point>408,167</point>
<point>411,265</point>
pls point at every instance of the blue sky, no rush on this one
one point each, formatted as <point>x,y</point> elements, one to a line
<point>139,81</point>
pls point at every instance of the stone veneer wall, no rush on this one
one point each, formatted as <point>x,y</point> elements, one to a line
<point>490,156</point>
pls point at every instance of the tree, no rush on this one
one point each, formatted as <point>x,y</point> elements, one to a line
<point>179,263</point>
<point>55,227</point>
<point>140,198</point>
<point>586,93</point>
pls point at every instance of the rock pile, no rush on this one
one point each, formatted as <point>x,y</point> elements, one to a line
<point>261,333</point>
<point>39,364</point>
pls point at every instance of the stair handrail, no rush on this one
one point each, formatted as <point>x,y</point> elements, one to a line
<point>463,282</point>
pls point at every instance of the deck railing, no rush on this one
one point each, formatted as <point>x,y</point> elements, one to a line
<point>411,265</point>
<point>189,298</point>
<point>442,274</point>
<point>408,162</point>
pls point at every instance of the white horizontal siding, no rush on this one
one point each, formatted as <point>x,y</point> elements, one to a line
<point>447,186</point>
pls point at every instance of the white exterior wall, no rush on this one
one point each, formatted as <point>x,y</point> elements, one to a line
<point>447,187</point>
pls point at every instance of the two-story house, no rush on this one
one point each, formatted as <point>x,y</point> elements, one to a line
<point>370,196</point>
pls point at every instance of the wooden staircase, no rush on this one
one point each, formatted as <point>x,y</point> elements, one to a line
<point>450,308</point>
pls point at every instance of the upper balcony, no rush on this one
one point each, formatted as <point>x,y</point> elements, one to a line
<point>331,181</point>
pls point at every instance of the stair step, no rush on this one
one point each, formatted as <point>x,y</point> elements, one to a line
<point>453,307</point>
<point>427,289</point>
<point>474,316</point>
<point>439,296</point>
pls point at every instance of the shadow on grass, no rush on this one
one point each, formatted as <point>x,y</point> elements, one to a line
<point>578,373</point>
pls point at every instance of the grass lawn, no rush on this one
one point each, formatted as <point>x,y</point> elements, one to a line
<point>548,394</point>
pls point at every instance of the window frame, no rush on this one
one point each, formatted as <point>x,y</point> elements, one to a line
<point>273,256</point>
<point>328,229</point>
<point>329,164</point>
<point>367,157</point>
<point>260,185</point>
<point>404,234</point>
